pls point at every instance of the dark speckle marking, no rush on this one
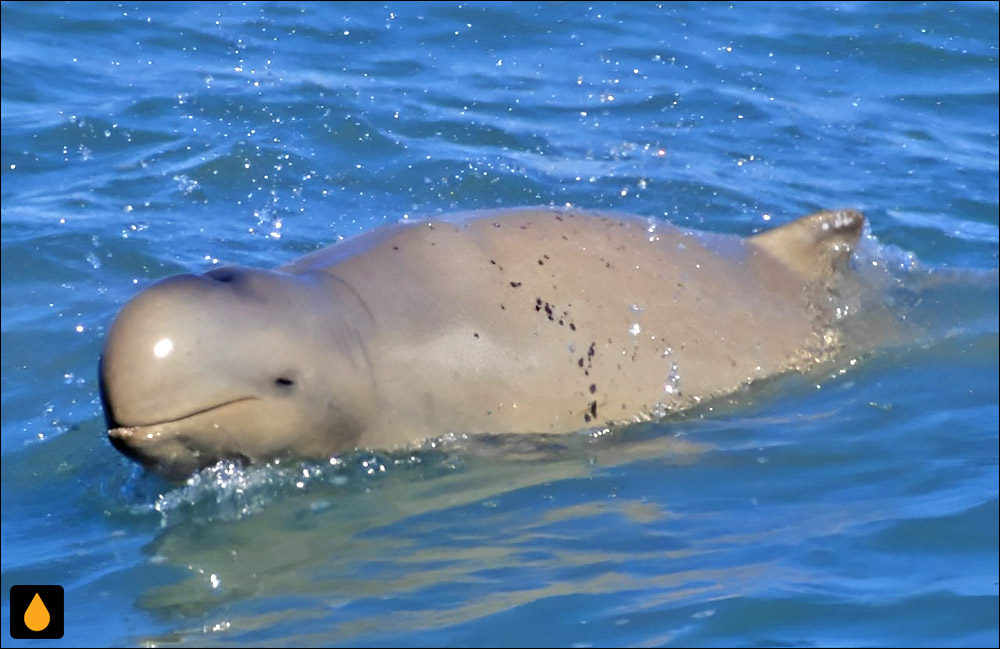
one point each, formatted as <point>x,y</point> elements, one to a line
<point>475,334</point>
<point>580,362</point>
<point>593,388</point>
<point>572,326</point>
<point>586,417</point>
<point>541,263</point>
<point>593,409</point>
<point>515,284</point>
<point>395,247</point>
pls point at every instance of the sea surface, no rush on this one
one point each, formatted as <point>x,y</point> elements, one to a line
<point>854,506</point>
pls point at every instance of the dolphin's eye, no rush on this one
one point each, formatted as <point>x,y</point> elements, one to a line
<point>284,382</point>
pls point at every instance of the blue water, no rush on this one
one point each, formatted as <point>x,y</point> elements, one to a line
<point>853,507</point>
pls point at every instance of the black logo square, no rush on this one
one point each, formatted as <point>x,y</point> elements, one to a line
<point>36,612</point>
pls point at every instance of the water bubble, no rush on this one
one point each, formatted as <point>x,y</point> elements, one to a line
<point>673,383</point>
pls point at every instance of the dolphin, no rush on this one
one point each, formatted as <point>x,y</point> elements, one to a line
<point>530,320</point>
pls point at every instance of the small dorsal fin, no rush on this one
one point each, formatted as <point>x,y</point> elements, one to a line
<point>814,246</point>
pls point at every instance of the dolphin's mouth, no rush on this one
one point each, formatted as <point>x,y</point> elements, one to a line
<point>179,460</point>
<point>168,446</point>
<point>114,424</point>
<point>162,445</point>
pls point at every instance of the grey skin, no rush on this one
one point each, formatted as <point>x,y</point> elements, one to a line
<point>518,321</point>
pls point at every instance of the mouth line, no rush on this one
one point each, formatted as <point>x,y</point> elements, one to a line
<point>187,416</point>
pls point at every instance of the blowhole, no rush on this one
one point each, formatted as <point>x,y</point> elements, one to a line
<point>222,275</point>
<point>284,382</point>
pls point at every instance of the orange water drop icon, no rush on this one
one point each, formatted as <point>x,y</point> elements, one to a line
<point>36,617</point>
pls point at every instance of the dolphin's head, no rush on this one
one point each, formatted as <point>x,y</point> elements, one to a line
<point>236,364</point>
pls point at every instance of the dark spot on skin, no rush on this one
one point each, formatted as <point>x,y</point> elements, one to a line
<point>492,261</point>
<point>541,263</point>
<point>560,322</point>
<point>591,351</point>
<point>572,326</point>
<point>546,257</point>
<point>538,304</point>
<point>593,388</point>
<point>593,409</point>
<point>496,225</point>
<point>586,418</point>
<point>558,218</point>
<point>580,362</point>
<point>502,307</point>
<point>475,334</point>
<point>395,247</point>
<point>284,382</point>
<point>515,284</point>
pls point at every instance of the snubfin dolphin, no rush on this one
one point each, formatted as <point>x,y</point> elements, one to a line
<point>517,321</point>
